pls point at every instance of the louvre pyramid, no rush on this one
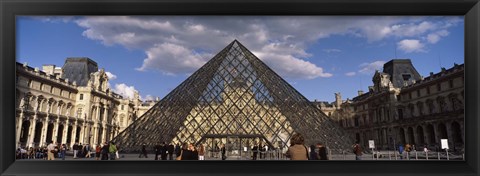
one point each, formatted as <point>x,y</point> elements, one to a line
<point>233,94</point>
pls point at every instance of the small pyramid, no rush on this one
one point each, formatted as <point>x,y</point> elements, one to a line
<point>234,98</point>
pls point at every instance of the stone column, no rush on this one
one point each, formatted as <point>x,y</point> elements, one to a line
<point>43,139</point>
<point>74,133</point>
<point>19,129</point>
<point>449,134</point>
<point>95,133</point>
<point>55,130</point>
<point>97,117</point>
<point>65,132</point>
<point>437,137</point>
<point>104,132</point>
<point>31,131</point>
<point>426,136</point>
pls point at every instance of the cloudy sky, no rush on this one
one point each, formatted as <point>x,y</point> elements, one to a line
<point>318,55</point>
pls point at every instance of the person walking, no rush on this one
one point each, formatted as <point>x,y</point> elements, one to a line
<point>201,152</point>
<point>51,151</point>
<point>87,151</point>
<point>357,150</point>
<point>297,150</point>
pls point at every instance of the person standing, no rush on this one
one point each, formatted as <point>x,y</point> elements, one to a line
<point>112,149</point>
<point>255,151</point>
<point>170,150</point>
<point>297,150</point>
<point>63,151</point>
<point>80,151</point>
<point>314,152</point>
<point>400,150</point>
<point>164,151</point>
<point>223,151</point>
<point>51,151</point>
<point>157,148</point>
<point>105,149</point>
<point>98,150</point>
<point>75,150</point>
<point>178,150</point>
<point>357,150</point>
<point>322,152</point>
<point>201,152</point>
<point>144,151</point>
<point>262,150</point>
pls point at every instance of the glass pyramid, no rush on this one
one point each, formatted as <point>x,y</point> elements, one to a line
<point>233,96</point>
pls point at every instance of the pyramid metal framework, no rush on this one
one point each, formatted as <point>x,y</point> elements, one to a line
<point>233,94</point>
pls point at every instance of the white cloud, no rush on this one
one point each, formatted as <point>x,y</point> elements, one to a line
<point>125,90</point>
<point>369,68</point>
<point>435,37</point>
<point>410,45</point>
<point>181,44</point>
<point>350,74</point>
<point>291,67</point>
<point>332,50</point>
<point>111,76</point>
<point>172,59</point>
<point>148,98</point>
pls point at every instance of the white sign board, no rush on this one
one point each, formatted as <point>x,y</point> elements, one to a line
<point>244,149</point>
<point>444,143</point>
<point>371,144</point>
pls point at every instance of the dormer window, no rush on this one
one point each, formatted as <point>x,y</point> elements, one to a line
<point>406,77</point>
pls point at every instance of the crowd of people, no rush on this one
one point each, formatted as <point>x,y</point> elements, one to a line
<point>49,152</point>
<point>107,151</point>
<point>187,151</point>
<point>298,150</point>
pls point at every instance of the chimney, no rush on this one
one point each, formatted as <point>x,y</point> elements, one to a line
<point>360,92</point>
<point>338,100</point>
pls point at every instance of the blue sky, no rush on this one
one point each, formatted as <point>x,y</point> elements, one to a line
<point>318,55</point>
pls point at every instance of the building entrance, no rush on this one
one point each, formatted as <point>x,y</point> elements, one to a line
<point>237,146</point>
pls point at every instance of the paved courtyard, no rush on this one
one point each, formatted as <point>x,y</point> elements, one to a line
<point>384,155</point>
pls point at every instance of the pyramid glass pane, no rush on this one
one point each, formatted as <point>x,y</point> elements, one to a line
<point>233,96</point>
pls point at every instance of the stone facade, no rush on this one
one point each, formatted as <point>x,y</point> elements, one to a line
<point>50,107</point>
<point>405,108</point>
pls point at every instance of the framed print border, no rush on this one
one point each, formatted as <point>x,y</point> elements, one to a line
<point>10,9</point>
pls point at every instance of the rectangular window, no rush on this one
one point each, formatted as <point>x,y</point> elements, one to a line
<point>428,90</point>
<point>52,89</point>
<point>418,93</point>
<point>81,96</point>
<point>450,82</point>
<point>439,87</point>
<point>122,107</point>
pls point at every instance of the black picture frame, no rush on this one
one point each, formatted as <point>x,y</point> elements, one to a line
<point>10,8</point>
